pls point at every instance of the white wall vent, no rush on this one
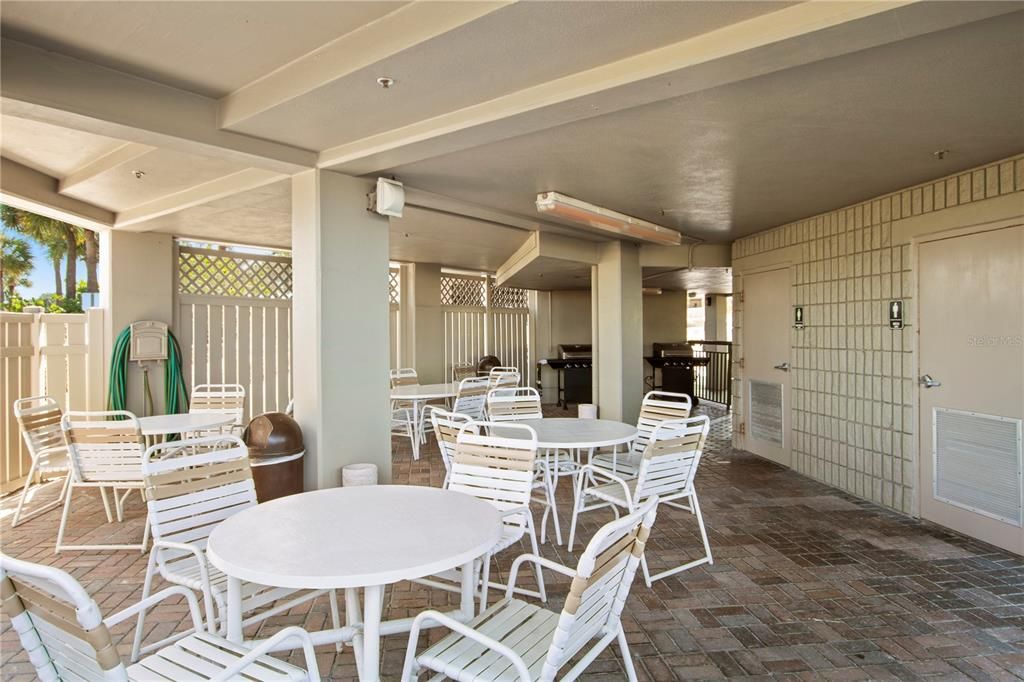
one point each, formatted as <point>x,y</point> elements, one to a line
<point>766,411</point>
<point>978,463</point>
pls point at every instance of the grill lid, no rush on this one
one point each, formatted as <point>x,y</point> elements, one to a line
<point>572,351</point>
<point>679,349</point>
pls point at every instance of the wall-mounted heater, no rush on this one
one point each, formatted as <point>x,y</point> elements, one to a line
<point>619,224</point>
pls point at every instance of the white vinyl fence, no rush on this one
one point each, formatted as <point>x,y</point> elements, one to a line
<point>59,355</point>
<point>233,320</point>
<point>481,319</point>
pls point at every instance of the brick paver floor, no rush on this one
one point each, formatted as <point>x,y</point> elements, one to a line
<point>808,583</point>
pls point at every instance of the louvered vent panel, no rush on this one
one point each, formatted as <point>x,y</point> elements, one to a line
<point>766,411</point>
<point>978,463</point>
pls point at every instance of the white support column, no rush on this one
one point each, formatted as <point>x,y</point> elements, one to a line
<point>340,312</point>
<point>407,316</point>
<point>618,325</point>
<point>136,283</point>
<point>428,323</point>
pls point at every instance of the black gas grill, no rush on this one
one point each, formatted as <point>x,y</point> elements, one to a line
<point>574,367</point>
<point>675,362</point>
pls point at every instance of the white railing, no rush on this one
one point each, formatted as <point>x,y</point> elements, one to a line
<point>59,355</point>
<point>465,336</point>
<point>510,340</point>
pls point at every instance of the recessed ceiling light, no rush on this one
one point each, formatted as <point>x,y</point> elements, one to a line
<point>385,82</point>
<point>940,154</point>
<point>139,174</point>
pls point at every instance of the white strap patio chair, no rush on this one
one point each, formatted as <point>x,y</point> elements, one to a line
<point>657,407</point>
<point>513,404</point>
<point>403,376</point>
<point>191,486</point>
<point>39,420</point>
<point>515,640</point>
<point>446,427</point>
<point>463,371</point>
<point>225,399</point>
<point>504,377</point>
<point>517,404</point>
<point>67,637</point>
<point>471,400</point>
<point>499,470</point>
<point>105,451</point>
<point>667,471</point>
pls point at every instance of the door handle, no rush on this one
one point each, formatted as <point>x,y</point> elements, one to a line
<point>784,367</point>
<point>927,381</point>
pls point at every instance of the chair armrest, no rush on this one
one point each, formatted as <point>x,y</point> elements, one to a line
<point>145,604</point>
<point>611,478</point>
<point>292,632</point>
<point>540,561</point>
<point>466,631</point>
<point>522,509</point>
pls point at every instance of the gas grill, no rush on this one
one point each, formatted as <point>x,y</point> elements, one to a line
<point>574,366</point>
<point>675,361</point>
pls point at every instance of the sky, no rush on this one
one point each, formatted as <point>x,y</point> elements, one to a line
<point>42,271</point>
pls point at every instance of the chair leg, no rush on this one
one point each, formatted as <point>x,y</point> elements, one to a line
<point>703,530</point>
<point>536,567</point>
<point>64,518</point>
<point>147,586</point>
<point>332,597</point>
<point>24,493</point>
<point>485,577</point>
<point>627,659</point>
<point>106,503</point>
<point>577,503</point>
<point>554,508</point>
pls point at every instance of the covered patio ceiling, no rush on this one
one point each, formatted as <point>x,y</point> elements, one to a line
<point>715,118</point>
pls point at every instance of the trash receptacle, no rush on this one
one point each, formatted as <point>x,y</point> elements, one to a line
<point>276,450</point>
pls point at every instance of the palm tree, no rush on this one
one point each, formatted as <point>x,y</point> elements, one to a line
<point>15,263</point>
<point>59,237</point>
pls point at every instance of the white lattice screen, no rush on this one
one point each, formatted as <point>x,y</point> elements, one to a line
<point>233,319</point>
<point>212,272</point>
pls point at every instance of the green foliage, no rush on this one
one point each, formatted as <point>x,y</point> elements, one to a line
<point>50,303</point>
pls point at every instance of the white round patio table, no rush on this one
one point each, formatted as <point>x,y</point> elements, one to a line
<point>568,433</point>
<point>418,394</point>
<point>156,428</point>
<point>349,538</point>
<point>571,436</point>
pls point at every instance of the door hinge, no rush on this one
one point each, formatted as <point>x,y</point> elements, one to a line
<point>740,294</point>
<point>741,363</point>
<point>742,430</point>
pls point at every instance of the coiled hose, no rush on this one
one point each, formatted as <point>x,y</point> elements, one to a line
<point>175,391</point>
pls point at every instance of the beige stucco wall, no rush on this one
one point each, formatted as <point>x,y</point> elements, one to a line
<point>664,319</point>
<point>853,379</point>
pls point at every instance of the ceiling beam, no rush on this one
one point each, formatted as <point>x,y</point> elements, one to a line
<point>225,186</point>
<point>124,154</point>
<point>801,34</point>
<point>405,27</point>
<point>30,190</point>
<point>54,88</point>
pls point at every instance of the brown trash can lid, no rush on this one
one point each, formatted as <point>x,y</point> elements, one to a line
<point>273,434</point>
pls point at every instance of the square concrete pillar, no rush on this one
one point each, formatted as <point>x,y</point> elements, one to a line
<point>136,283</point>
<point>340,326</point>
<point>427,322</point>
<point>617,299</point>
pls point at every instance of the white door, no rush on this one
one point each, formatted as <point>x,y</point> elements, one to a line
<point>971,316</point>
<point>766,324</point>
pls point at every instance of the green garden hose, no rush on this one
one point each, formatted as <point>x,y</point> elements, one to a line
<point>175,391</point>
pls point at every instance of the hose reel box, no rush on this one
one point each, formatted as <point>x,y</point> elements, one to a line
<point>149,341</point>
